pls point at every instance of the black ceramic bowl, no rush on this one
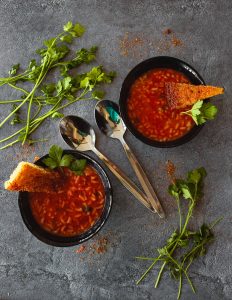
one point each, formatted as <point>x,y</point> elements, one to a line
<point>60,241</point>
<point>143,67</point>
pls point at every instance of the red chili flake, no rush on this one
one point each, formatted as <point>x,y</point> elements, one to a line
<point>176,42</point>
<point>81,249</point>
<point>167,31</point>
<point>171,169</point>
<point>130,45</point>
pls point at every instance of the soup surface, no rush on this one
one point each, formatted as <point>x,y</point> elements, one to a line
<point>72,212</point>
<point>148,110</point>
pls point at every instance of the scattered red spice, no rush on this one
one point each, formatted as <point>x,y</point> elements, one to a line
<point>169,40</point>
<point>167,31</point>
<point>141,45</point>
<point>176,42</point>
<point>171,169</point>
<point>99,246</point>
<point>81,249</point>
<point>130,45</point>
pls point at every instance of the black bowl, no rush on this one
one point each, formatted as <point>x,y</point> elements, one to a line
<point>143,67</point>
<point>60,241</point>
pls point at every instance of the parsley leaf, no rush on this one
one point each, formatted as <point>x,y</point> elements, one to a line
<point>55,153</point>
<point>201,112</point>
<point>76,30</point>
<point>56,159</point>
<point>66,160</point>
<point>14,69</point>
<point>46,99</point>
<point>67,38</point>
<point>78,166</point>
<point>183,246</point>
<point>68,26</point>
<point>98,94</point>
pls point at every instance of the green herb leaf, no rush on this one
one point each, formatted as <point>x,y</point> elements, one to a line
<point>49,43</point>
<point>50,162</point>
<point>78,166</point>
<point>68,26</point>
<point>98,94</point>
<point>55,153</point>
<point>201,112</point>
<point>77,30</point>
<point>66,160</point>
<point>67,38</point>
<point>48,89</point>
<point>183,246</point>
<point>56,159</point>
<point>14,69</point>
<point>43,99</point>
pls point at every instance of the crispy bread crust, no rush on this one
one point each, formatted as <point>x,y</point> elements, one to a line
<point>180,95</point>
<point>32,178</point>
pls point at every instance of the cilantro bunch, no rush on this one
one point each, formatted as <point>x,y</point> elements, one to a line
<point>56,159</point>
<point>184,245</point>
<point>201,112</point>
<point>47,100</point>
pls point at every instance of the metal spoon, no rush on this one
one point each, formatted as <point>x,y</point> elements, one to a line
<point>79,135</point>
<point>110,123</point>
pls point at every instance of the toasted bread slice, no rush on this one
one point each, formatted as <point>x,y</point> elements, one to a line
<point>32,178</point>
<point>180,95</point>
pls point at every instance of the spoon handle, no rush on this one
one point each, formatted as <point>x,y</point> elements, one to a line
<point>146,185</point>
<point>125,180</point>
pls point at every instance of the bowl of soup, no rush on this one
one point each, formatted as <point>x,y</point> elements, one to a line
<point>75,215</point>
<point>144,108</point>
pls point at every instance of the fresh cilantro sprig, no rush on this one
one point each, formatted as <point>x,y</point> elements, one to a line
<point>201,112</point>
<point>184,245</point>
<point>47,99</point>
<point>56,159</point>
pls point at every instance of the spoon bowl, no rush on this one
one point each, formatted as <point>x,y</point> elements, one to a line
<point>77,133</point>
<point>108,119</point>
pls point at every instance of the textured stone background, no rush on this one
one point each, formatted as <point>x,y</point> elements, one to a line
<point>30,269</point>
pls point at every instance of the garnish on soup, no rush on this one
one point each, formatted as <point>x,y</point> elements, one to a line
<point>180,95</point>
<point>149,111</point>
<point>32,178</point>
<point>29,177</point>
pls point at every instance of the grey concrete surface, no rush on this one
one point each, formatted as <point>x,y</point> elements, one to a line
<point>30,269</point>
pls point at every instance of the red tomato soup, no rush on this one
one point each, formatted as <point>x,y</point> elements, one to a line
<point>75,211</point>
<point>148,109</point>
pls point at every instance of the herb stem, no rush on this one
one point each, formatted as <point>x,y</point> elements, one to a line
<point>180,287</point>
<point>18,88</point>
<point>180,214</point>
<point>160,274</point>
<point>10,101</point>
<point>146,272</point>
